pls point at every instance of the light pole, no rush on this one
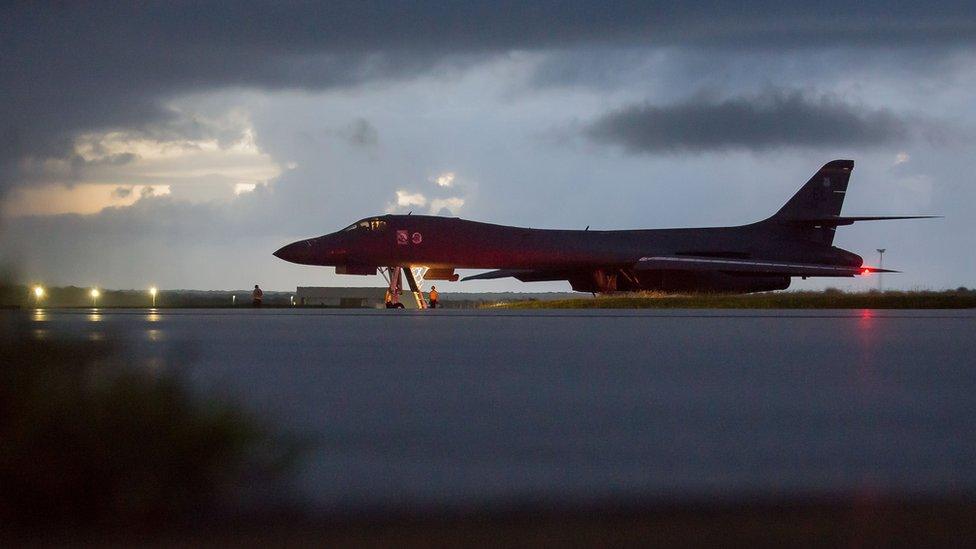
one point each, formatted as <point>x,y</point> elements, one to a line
<point>38,294</point>
<point>94,295</point>
<point>881,252</point>
<point>152,292</point>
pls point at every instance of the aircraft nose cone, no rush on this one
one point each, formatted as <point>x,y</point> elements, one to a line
<point>291,252</point>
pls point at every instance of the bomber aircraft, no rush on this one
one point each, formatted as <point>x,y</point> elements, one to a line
<point>795,241</point>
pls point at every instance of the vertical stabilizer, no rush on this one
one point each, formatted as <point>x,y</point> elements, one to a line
<point>820,198</point>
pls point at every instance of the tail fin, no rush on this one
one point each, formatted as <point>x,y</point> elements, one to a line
<point>821,198</point>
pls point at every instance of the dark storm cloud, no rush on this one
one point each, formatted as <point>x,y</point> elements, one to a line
<point>773,120</point>
<point>67,68</point>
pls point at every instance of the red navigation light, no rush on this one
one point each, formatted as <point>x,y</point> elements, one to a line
<point>866,271</point>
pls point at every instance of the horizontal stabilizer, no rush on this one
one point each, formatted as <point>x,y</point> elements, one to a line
<point>850,220</point>
<point>750,266</point>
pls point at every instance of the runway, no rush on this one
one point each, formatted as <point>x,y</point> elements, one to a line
<point>484,407</point>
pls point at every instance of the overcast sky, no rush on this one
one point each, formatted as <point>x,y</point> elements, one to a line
<point>179,144</point>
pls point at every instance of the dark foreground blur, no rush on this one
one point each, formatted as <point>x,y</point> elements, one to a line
<point>810,522</point>
<point>104,438</point>
<point>90,443</point>
<point>867,522</point>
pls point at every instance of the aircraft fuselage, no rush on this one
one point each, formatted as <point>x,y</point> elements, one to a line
<point>590,260</point>
<point>795,241</point>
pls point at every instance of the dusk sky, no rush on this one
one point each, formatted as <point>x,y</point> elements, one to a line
<point>180,144</point>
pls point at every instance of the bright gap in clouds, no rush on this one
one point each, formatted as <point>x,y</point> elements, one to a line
<point>445,206</point>
<point>79,199</point>
<point>406,199</point>
<point>243,188</point>
<point>116,169</point>
<point>444,180</point>
<point>439,205</point>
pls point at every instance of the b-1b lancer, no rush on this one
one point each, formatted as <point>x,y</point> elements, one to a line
<point>795,241</point>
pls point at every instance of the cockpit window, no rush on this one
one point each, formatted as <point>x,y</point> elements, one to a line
<point>367,225</point>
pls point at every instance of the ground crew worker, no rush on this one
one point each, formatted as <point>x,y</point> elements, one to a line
<point>257,296</point>
<point>433,297</point>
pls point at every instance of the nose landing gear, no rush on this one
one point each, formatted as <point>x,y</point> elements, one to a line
<point>394,277</point>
